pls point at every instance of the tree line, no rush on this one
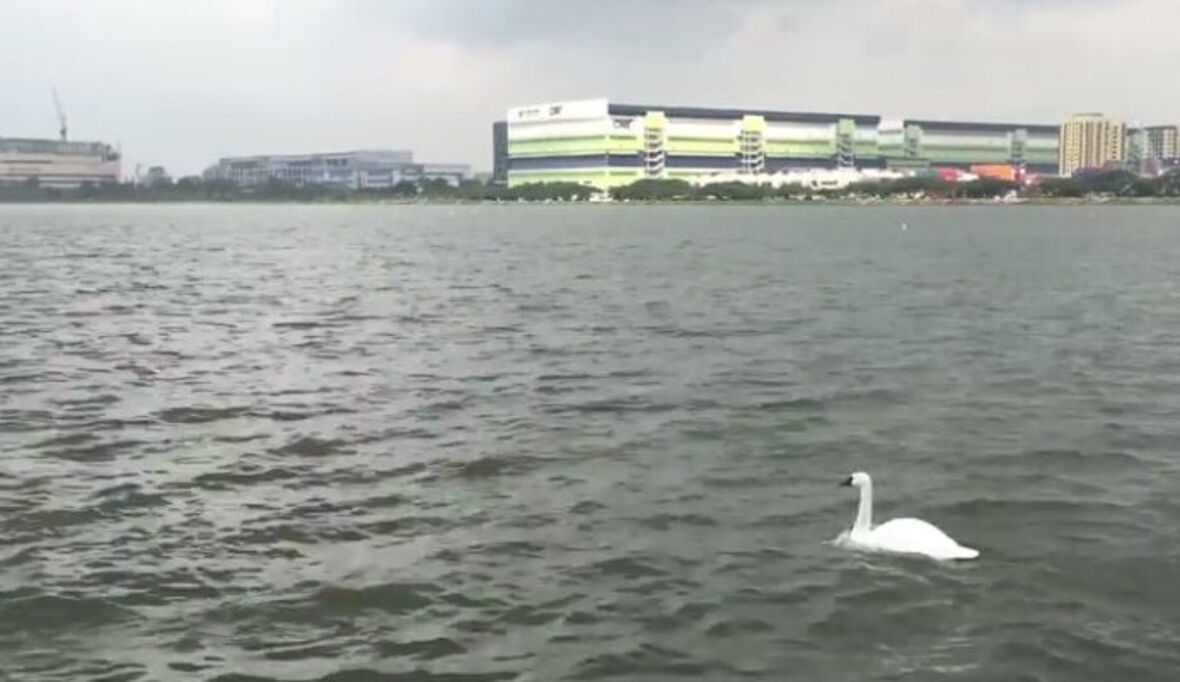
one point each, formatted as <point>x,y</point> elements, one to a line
<point>680,190</point>
<point>1112,183</point>
<point>1116,183</point>
<point>195,188</point>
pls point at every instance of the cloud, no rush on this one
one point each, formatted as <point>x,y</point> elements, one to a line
<point>181,83</point>
<point>657,26</point>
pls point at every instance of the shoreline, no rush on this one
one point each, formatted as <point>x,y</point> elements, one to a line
<point>842,202</point>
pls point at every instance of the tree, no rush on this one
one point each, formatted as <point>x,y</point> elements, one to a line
<point>1169,184</point>
<point>550,191</point>
<point>1145,187</point>
<point>221,189</point>
<point>437,187</point>
<point>1116,182</point>
<point>473,190</point>
<point>652,189</point>
<point>735,190</point>
<point>1062,187</point>
<point>986,188</point>
<point>792,189</point>
<point>868,188</point>
<point>404,188</point>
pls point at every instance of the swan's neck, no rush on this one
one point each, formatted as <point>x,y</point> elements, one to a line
<point>864,512</point>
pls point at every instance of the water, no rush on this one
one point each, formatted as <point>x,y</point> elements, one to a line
<point>544,443</point>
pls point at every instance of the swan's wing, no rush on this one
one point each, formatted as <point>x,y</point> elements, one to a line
<point>912,535</point>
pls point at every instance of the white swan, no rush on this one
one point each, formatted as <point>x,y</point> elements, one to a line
<point>901,536</point>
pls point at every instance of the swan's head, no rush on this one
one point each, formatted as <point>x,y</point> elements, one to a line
<point>858,480</point>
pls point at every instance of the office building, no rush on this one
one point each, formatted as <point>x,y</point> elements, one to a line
<point>1091,141</point>
<point>57,163</point>
<point>605,144</point>
<point>364,169</point>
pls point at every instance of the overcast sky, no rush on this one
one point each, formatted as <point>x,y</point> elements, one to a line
<point>182,82</point>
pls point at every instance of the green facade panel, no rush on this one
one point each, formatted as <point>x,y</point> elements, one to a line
<point>559,146</point>
<point>935,156</point>
<point>624,144</point>
<point>800,147</point>
<point>701,146</point>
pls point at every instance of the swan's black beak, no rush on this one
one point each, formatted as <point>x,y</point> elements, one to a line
<point>847,482</point>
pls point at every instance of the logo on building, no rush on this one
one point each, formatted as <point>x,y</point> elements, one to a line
<point>555,110</point>
<point>622,123</point>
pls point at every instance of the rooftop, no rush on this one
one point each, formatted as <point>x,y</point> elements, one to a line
<point>728,113</point>
<point>981,126</point>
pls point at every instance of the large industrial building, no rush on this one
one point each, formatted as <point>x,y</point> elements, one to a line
<point>605,144</point>
<point>958,144</point>
<point>366,169</point>
<point>57,163</point>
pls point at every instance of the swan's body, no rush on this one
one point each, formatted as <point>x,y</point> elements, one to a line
<point>899,536</point>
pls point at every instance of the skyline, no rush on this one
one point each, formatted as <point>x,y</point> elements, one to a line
<point>180,85</point>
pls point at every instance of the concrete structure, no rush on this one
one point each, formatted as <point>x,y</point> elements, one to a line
<point>353,170</point>
<point>1163,142</point>
<point>1090,141</point>
<point>56,163</point>
<point>500,152</point>
<point>603,143</point>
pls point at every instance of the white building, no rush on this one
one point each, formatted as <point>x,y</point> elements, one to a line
<point>55,163</point>
<point>377,168</point>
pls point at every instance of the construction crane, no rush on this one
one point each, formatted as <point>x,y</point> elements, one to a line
<point>61,115</point>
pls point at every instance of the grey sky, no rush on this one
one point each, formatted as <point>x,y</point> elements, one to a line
<point>181,83</point>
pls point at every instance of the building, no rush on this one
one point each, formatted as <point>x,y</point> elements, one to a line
<point>1090,141</point>
<point>1163,142</point>
<point>605,144</point>
<point>1135,149</point>
<point>362,169</point>
<point>915,143</point>
<point>500,152</point>
<point>57,163</point>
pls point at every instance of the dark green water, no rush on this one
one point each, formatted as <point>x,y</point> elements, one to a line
<point>585,443</point>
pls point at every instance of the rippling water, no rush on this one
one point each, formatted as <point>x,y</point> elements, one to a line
<point>542,443</point>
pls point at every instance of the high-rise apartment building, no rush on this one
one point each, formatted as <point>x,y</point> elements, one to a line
<point>1162,142</point>
<point>500,152</point>
<point>1090,141</point>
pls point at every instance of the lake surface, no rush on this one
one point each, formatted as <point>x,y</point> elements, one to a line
<point>586,443</point>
